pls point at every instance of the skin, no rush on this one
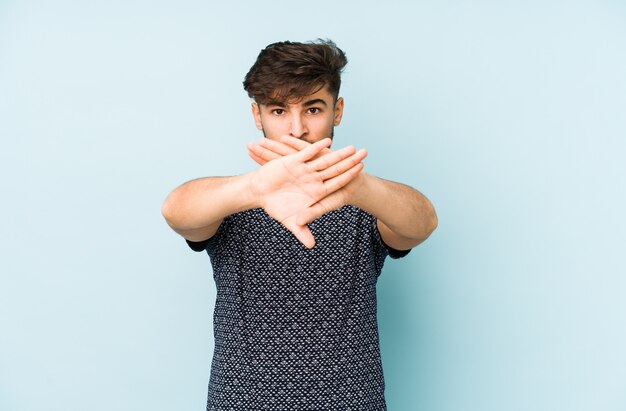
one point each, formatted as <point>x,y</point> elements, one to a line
<point>310,118</point>
<point>300,179</point>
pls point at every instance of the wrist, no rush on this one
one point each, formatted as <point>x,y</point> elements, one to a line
<point>358,189</point>
<point>250,194</point>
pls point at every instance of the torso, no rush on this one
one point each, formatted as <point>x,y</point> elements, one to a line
<point>296,329</point>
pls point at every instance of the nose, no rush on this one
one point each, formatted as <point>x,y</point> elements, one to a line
<point>298,126</point>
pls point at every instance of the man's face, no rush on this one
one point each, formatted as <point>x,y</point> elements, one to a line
<point>311,118</point>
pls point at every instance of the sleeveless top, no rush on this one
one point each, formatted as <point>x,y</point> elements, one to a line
<point>296,328</point>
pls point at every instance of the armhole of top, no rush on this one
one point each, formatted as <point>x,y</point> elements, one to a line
<point>199,245</point>
<point>392,252</point>
<point>209,242</point>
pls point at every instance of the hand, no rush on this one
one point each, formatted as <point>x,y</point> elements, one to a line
<point>270,150</point>
<point>287,185</point>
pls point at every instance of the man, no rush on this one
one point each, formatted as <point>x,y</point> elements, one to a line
<point>297,246</point>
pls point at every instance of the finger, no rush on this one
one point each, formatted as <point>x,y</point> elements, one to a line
<point>262,152</point>
<point>312,150</point>
<point>299,144</point>
<point>323,152</point>
<point>343,166</point>
<point>277,147</point>
<point>342,179</point>
<point>256,159</point>
<point>295,143</point>
<point>332,158</point>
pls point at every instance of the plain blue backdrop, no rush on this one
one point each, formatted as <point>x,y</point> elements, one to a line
<point>509,116</point>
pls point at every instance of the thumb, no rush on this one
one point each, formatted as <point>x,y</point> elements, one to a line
<point>302,233</point>
<point>325,205</point>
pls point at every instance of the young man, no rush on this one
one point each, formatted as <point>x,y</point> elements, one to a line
<point>297,247</point>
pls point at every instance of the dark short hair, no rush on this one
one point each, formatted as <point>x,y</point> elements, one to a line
<point>287,71</point>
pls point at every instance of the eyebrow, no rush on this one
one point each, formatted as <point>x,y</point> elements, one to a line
<point>314,102</point>
<point>306,104</point>
<point>276,103</point>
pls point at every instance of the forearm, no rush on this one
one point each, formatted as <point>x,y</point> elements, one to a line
<point>407,217</point>
<point>201,204</point>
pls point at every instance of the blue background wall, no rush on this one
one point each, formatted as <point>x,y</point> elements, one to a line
<point>510,117</point>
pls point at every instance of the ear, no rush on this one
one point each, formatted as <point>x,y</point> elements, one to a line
<point>338,111</point>
<point>256,113</point>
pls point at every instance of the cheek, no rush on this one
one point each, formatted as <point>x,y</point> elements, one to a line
<point>324,125</point>
<point>275,128</point>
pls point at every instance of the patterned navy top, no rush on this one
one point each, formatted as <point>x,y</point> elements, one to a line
<point>296,329</point>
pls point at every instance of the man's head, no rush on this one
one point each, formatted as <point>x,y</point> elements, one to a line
<point>295,87</point>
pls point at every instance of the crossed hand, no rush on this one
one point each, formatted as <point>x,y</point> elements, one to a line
<point>298,182</point>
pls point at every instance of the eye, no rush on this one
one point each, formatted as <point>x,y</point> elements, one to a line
<point>278,111</point>
<point>314,110</point>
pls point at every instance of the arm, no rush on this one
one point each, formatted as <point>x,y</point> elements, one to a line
<point>283,188</point>
<point>405,217</point>
<point>196,209</point>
